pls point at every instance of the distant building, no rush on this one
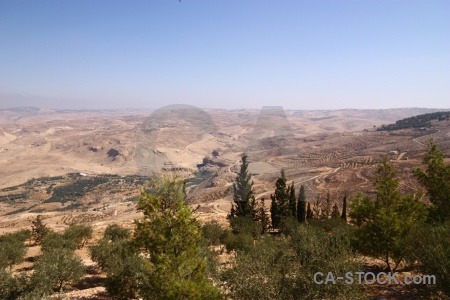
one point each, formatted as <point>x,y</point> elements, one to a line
<point>393,152</point>
<point>83,174</point>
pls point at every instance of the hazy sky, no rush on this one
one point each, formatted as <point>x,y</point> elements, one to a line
<point>314,54</point>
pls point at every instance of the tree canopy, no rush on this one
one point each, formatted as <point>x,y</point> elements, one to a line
<point>244,200</point>
<point>170,237</point>
<point>385,222</point>
<point>436,180</point>
<point>280,208</point>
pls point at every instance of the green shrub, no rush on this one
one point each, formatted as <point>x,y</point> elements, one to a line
<point>110,256</point>
<point>288,226</point>
<point>283,267</point>
<point>213,233</point>
<point>39,230</point>
<point>55,242</point>
<point>12,250</point>
<point>115,232</point>
<point>328,225</point>
<point>126,279</point>
<point>56,268</point>
<point>257,274</point>
<point>210,255</point>
<point>22,235</point>
<point>238,242</point>
<point>39,295</point>
<point>124,268</point>
<point>246,226</point>
<point>79,234</point>
<point>430,245</point>
<point>12,287</point>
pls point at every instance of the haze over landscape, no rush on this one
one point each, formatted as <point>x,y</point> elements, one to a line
<point>224,54</point>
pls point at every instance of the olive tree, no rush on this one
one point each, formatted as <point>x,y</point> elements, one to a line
<point>12,250</point>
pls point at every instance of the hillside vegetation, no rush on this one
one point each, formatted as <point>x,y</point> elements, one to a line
<point>418,121</point>
<point>265,254</point>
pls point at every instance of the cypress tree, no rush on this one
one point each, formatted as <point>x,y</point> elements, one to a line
<point>301,205</point>
<point>309,212</point>
<point>344,209</point>
<point>327,208</point>
<point>274,214</point>
<point>243,197</point>
<point>292,201</point>
<point>280,201</point>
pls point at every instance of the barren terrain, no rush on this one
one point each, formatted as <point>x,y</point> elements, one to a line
<point>46,155</point>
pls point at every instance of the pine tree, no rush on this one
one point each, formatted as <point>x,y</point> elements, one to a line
<point>386,183</point>
<point>280,202</point>
<point>344,209</point>
<point>170,239</point>
<point>301,205</point>
<point>243,197</point>
<point>436,180</point>
<point>384,223</point>
<point>292,201</point>
<point>309,212</point>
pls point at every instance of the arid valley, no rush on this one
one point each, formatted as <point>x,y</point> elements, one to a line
<point>90,166</point>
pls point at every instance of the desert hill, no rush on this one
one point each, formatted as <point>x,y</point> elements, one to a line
<point>42,142</point>
<point>327,151</point>
<point>89,166</point>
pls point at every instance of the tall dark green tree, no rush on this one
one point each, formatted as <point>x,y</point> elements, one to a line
<point>326,212</point>
<point>309,212</point>
<point>344,209</point>
<point>244,200</point>
<point>263,217</point>
<point>436,180</point>
<point>280,209</point>
<point>301,205</point>
<point>292,201</point>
